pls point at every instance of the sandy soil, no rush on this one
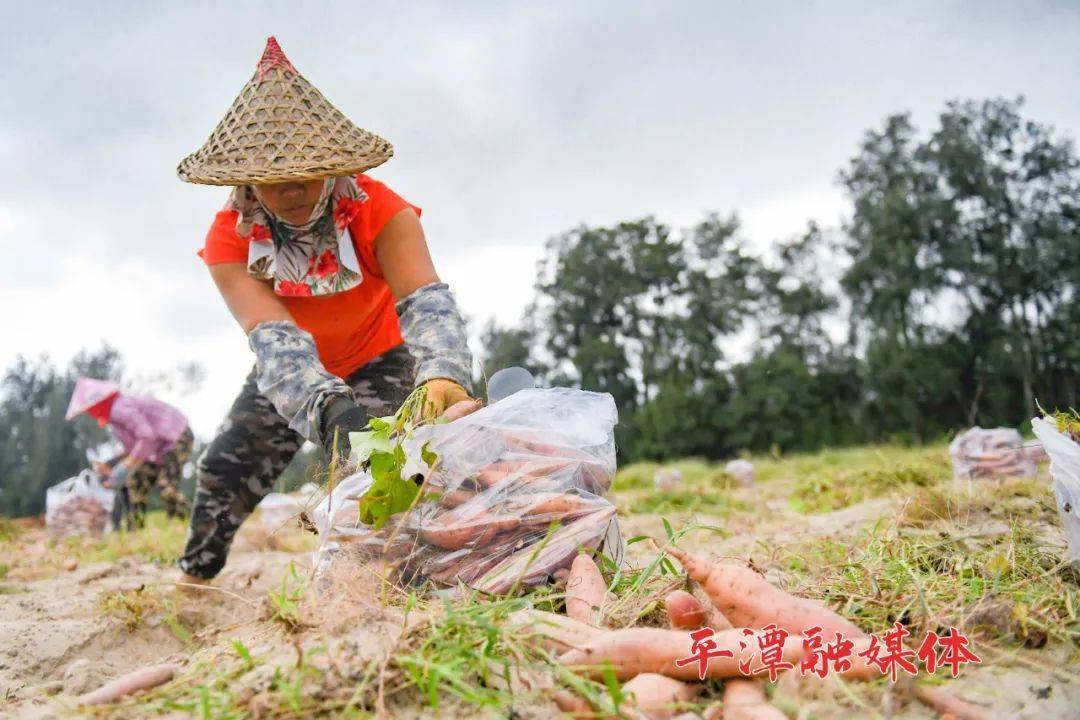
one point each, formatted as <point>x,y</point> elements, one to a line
<point>60,636</point>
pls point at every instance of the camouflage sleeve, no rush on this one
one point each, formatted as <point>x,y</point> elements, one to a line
<point>291,376</point>
<point>434,332</point>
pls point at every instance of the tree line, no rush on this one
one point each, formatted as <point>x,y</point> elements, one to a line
<point>947,298</point>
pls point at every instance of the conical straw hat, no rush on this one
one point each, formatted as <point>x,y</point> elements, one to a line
<point>88,393</point>
<point>281,128</point>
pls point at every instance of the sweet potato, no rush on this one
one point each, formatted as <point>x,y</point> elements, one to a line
<point>658,695</point>
<point>521,470</point>
<point>456,498</point>
<point>572,704</point>
<point>684,611</point>
<point>585,590</point>
<point>861,667</point>
<point>465,526</point>
<point>554,633</point>
<point>748,600</point>
<point>141,679</point>
<point>531,563</point>
<point>590,474</point>
<point>544,505</point>
<point>948,705</point>
<point>745,700</point>
<point>462,567</point>
<point>633,651</point>
<point>717,621</point>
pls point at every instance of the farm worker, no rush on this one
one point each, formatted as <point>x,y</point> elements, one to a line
<point>328,273</point>
<point>156,440</point>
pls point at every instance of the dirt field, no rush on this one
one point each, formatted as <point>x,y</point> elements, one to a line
<point>879,534</point>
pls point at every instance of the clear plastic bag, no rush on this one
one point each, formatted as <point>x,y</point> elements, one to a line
<point>515,493</point>
<point>989,453</point>
<point>80,505</point>
<point>742,471</point>
<point>668,479</point>
<point>1064,455</point>
<point>277,510</point>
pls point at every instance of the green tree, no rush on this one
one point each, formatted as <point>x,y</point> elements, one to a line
<point>799,390</point>
<point>964,269</point>
<point>954,280</point>
<point>605,296</point>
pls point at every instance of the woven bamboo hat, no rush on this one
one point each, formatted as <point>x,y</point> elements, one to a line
<point>281,128</point>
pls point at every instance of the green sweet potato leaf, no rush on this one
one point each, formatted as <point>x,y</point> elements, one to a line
<point>379,449</point>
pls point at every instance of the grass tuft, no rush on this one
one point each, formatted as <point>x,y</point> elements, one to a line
<point>695,472</point>
<point>835,489</point>
<point>131,606</point>
<point>1068,423</point>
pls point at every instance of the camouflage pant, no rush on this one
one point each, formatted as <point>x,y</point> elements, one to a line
<point>166,474</point>
<point>253,447</point>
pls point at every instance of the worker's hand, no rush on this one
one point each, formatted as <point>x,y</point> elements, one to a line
<point>101,469</point>
<point>342,417</point>
<point>119,475</point>
<point>441,394</point>
<point>460,409</point>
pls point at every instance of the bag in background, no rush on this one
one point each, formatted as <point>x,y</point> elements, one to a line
<point>80,505</point>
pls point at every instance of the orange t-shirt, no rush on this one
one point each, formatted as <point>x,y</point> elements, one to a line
<point>350,328</point>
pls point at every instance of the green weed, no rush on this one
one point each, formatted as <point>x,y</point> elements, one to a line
<point>285,602</point>
<point>160,541</point>
<point>687,501</point>
<point>131,606</point>
<point>1068,423</point>
<point>695,472</point>
<point>1007,584</point>
<point>834,489</point>
<point>9,529</point>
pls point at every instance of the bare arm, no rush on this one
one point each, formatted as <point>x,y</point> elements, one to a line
<point>250,301</point>
<point>403,254</point>
<point>431,323</point>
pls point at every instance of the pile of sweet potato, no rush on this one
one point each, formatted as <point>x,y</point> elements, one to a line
<point>511,523</point>
<point>994,453</point>
<point>647,660</point>
<point>78,515</point>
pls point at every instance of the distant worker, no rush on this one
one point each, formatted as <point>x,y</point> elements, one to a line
<point>156,440</point>
<point>328,273</point>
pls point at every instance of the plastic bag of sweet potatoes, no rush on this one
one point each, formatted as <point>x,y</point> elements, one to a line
<point>80,505</point>
<point>515,493</point>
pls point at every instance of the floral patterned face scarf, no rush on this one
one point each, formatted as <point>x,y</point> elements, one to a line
<point>316,258</point>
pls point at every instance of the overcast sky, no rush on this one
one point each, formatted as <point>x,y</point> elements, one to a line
<point>511,122</point>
